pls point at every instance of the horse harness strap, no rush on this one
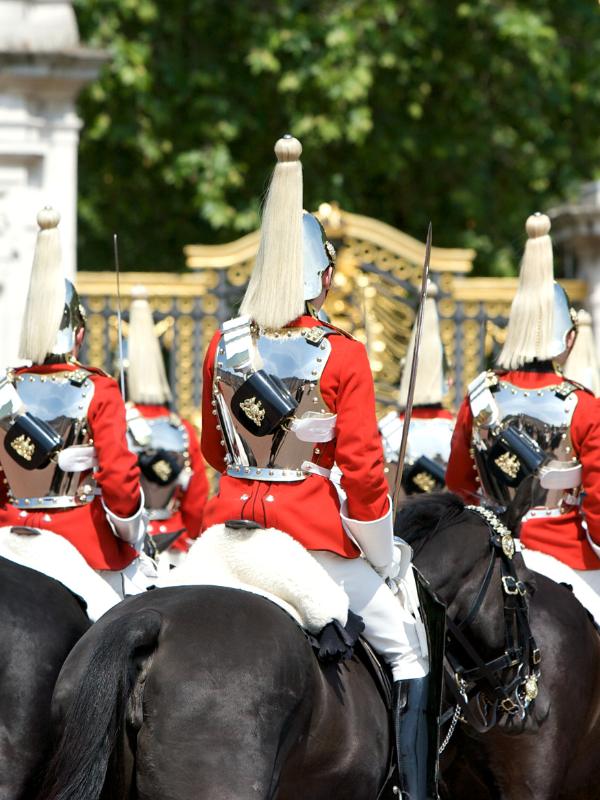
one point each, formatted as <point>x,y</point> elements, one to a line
<point>521,653</point>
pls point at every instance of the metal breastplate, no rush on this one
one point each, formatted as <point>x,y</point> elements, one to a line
<point>544,414</point>
<point>168,438</point>
<point>61,399</point>
<point>431,438</point>
<point>298,357</point>
<point>428,437</point>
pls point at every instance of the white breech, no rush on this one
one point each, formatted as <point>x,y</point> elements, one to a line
<point>168,560</point>
<point>134,579</point>
<point>389,628</point>
<point>585,582</point>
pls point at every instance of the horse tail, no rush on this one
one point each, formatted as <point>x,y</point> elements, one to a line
<point>94,718</point>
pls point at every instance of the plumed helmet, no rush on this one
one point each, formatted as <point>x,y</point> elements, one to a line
<point>318,255</point>
<point>293,251</point>
<point>73,320</point>
<point>540,316</point>
<point>431,384</point>
<point>146,375</point>
<point>53,314</point>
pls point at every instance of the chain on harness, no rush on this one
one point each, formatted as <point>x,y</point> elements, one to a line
<point>512,693</point>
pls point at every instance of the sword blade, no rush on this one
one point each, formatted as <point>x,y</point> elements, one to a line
<point>413,372</point>
<point>119,317</point>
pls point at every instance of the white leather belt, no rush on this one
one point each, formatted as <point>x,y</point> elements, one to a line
<point>315,469</point>
<point>237,341</point>
<point>543,513</point>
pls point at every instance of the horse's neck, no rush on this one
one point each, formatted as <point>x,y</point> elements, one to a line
<point>455,562</point>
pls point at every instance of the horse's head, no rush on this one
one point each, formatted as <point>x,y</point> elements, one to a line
<point>470,559</point>
<point>453,551</point>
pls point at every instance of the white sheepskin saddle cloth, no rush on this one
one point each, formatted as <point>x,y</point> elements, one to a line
<point>57,558</point>
<point>267,562</point>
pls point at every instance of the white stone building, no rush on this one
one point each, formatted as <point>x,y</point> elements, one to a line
<point>43,67</point>
<point>576,228</point>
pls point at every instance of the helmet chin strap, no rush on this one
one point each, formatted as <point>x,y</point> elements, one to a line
<point>316,303</point>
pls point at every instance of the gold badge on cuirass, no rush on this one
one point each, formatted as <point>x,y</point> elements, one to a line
<point>424,482</point>
<point>162,469</point>
<point>253,409</point>
<point>509,464</point>
<point>24,447</point>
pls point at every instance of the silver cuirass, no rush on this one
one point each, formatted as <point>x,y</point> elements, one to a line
<point>164,443</point>
<point>427,437</point>
<point>62,400</point>
<point>297,356</point>
<point>543,414</point>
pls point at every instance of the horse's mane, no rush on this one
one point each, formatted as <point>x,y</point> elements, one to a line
<point>422,515</point>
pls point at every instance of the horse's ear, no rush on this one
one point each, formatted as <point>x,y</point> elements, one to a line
<point>520,505</point>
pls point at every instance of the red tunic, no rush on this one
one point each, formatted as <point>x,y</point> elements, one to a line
<point>86,527</point>
<point>191,502</point>
<point>309,510</point>
<point>562,537</point>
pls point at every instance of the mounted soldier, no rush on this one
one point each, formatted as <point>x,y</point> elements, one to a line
<point>67,471</point>
<point>173,476</point>
<point>285,395</point>
<point>431,424</point>
<point>526,430</point>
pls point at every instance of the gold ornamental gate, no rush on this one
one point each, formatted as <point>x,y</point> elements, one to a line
<point>376,284</point>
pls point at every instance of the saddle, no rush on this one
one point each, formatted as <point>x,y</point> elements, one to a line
<point>242,555</point>
<point>378,669</point>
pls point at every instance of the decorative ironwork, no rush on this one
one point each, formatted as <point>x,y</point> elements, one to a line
<point>376,281</point>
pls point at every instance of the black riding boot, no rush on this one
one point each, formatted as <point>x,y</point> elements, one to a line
<point>412,739</point>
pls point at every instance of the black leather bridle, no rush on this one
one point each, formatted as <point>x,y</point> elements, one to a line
<point>486,691</point>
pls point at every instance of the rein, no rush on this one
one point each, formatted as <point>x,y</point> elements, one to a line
<point>507,684</point>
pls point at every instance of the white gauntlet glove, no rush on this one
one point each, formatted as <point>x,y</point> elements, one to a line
<point>130,529</point>
<point>391,570</point>
<point>375,538</point>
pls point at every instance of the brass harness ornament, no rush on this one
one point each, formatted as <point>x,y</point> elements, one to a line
<point>24,447</point>
<point>253,409</point>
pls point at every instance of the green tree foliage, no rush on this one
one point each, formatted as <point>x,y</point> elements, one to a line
<point>471,114</point>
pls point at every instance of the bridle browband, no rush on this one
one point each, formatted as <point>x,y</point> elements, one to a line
<point>507,684</point>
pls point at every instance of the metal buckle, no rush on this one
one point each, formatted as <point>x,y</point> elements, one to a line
<point>509,706</point>
<point>508,545</point>
<point>513,586</point>
<point>536,656</point>
<point>314,335</point>
<point>462,686</point>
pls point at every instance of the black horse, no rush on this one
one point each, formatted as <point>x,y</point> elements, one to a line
<point>205,692</point>
<point>40,621</point>
<point>550,753</point>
